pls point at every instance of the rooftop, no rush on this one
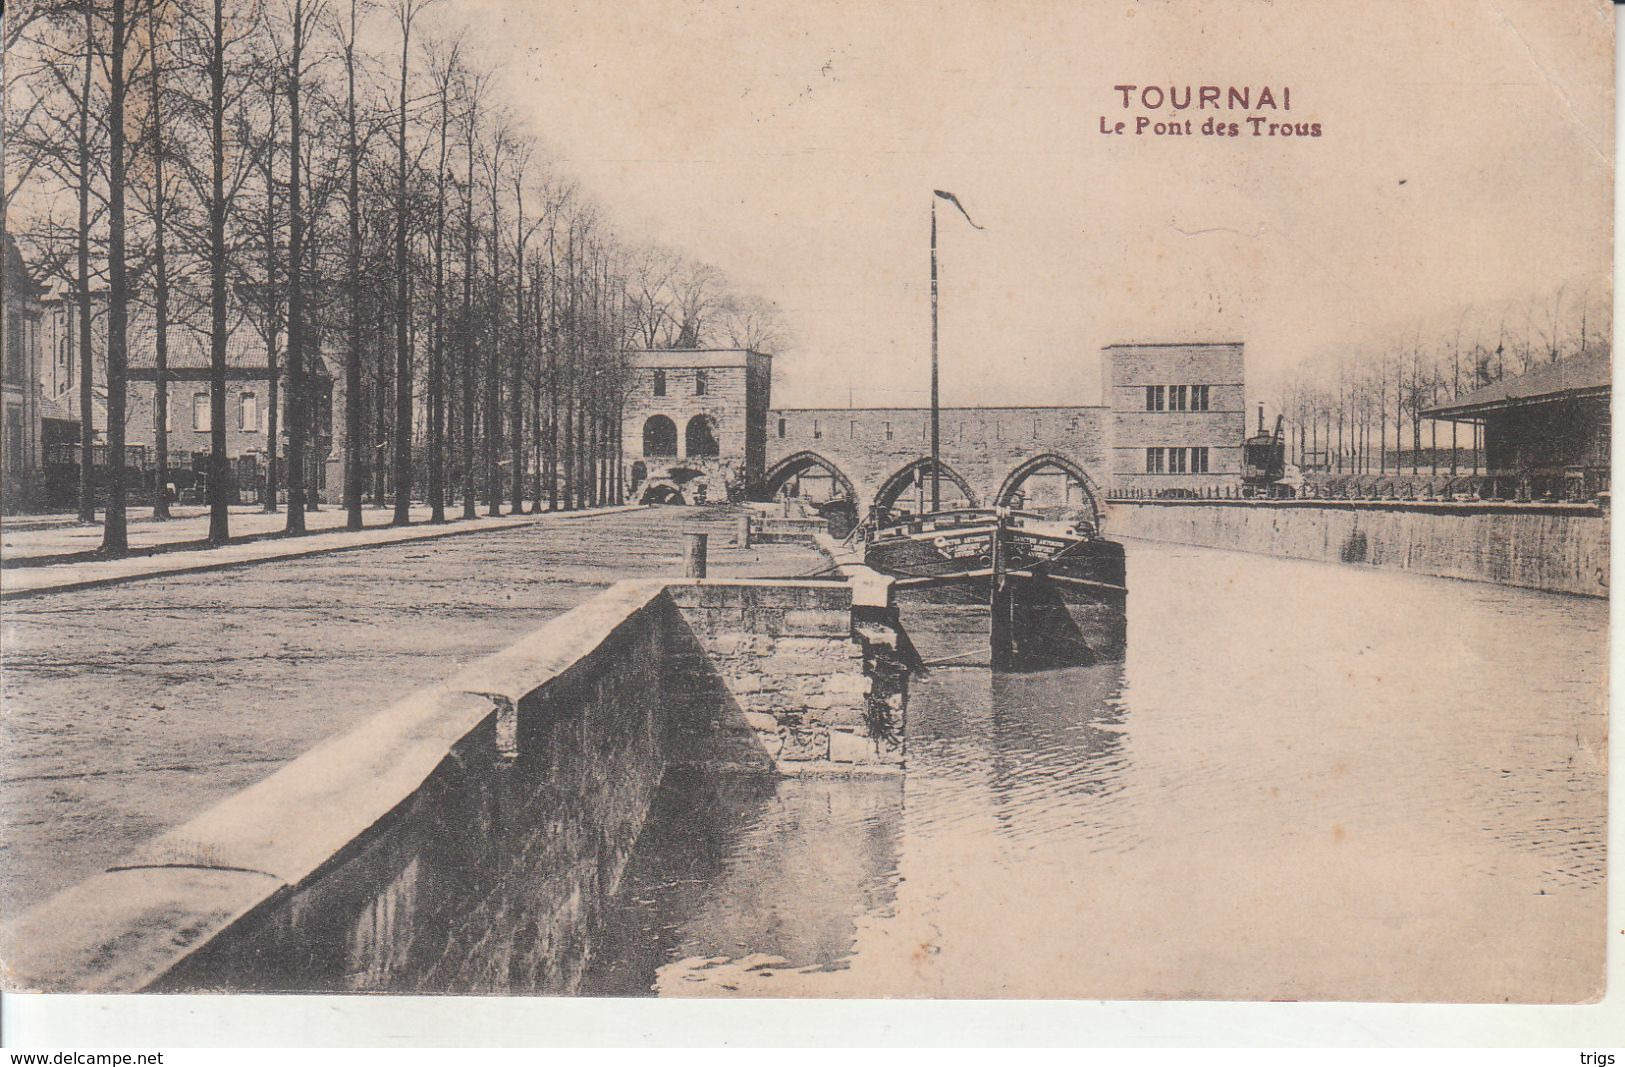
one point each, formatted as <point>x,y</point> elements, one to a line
<point>1590,374</point>
<point>17,276</point>
<point>1173,344</point>
<point>693,357</point>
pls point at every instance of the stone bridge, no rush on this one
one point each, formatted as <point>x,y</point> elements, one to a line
<point>990,456</point>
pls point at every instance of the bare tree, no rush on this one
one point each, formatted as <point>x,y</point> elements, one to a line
<point>696,287</point>
<point>406,13</point>
<point>747,321</point>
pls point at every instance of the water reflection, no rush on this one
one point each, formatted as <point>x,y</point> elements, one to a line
<point>735,879</point>
<point>1304,781</point>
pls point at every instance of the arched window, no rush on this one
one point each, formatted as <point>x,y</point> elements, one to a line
<point>659,436</point>
<point>660,383</point>
<point>701,436</point>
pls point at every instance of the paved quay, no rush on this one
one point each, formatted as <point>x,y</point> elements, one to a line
<point>35,537</point>
<point>187,555</point>
<point>129,708</point>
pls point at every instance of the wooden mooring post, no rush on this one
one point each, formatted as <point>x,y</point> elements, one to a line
<point>694,561</point>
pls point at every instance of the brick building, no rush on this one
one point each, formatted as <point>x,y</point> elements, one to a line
<point>695,423</point>
<point>21,413</point>
<point>1179,414</point>
<point>248,401</point>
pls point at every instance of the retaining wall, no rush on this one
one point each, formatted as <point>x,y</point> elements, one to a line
<point>1558,548</point>
<point>788,685</point>
<point>467,838</point>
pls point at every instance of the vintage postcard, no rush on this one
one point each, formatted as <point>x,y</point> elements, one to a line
<point>1100,499</point>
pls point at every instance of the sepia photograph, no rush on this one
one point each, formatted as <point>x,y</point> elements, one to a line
<point>1099,500</point>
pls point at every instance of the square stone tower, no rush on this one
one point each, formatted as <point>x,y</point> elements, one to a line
<point>1178,416</point>
<point>695,428</point>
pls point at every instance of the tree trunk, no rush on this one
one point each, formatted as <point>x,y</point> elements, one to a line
<point>516,385</point>
<point>493,367</point>
<point>437,354</point>
<point>403,350</point>
<point>298,398</point>
<point>87,361</point>
<point>469,344</point>
<point>160,269</point>
<point>115,539</point>
<point>552,466</point>
<point>219,517</point>
<point>273,414</point>
<point>353,440</point>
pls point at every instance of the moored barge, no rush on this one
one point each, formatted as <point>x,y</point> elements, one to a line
<point>1012,589</point>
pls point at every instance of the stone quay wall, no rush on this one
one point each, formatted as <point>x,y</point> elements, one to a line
<point>467,838</point>
<point>790,684</point>
<point>1558,548</point>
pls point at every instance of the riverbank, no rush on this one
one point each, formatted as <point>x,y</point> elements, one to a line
<point>131,708</point>
<point>1555,548</point>
<point>1303,782</point>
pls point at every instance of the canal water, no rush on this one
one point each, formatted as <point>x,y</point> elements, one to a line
<point>1306,781</point>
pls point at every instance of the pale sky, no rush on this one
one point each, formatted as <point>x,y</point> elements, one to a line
<point>1465,158</point>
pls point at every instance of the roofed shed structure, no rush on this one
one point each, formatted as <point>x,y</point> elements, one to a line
<point>1546,431</point>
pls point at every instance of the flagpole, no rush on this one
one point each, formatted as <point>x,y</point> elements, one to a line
<point>936,478</point>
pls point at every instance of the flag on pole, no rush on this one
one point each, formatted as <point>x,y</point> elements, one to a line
<point>954,200</point>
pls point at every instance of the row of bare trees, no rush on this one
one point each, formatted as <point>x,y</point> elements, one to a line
<point>1361,409</point>
<point>341,178</point>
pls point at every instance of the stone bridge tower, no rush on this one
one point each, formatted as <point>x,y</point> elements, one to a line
<point>695,424</point>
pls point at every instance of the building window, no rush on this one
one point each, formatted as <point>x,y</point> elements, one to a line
<point>248,412</point>
<point>1199,398</point>
<point>659,436</point>
<point>1072,426</point>
<point>888,431</point>
<point>852,428</point>
<point>16,348</point>
<point>818,431</point>
<point>1199,460</point>
<point>660,383</point>
<point>1176,461</point>
<point>1035,429</point>
<point>1153,398</point>
<point>781,427</point>
<point>200,412</point>
<point>1176,398</point>
<point>1153,461</point>
<point>15,458</point>
<point>699,383</point>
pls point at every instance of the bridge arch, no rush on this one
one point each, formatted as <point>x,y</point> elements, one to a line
<point>1017,477</point>
<point>799,463</point>
<point>892,489</point>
